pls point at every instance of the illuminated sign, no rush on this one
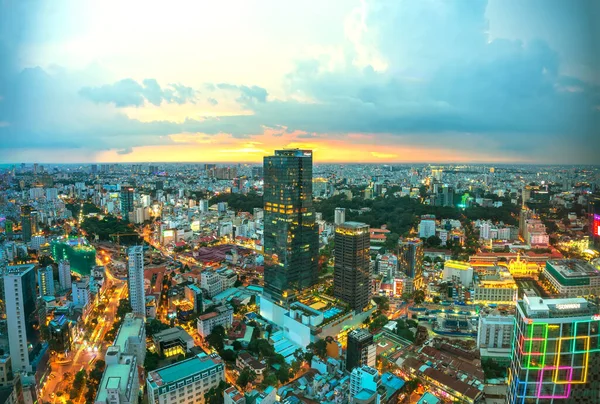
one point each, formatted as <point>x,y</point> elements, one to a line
<point>596,317</point>
<point>569,306</point>
<point>307,154</point>
<point>168,233</point>
<point>596,230</point>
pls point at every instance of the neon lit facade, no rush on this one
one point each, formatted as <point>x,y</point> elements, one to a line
<point>556,352</point>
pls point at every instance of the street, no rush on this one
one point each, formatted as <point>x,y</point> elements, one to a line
<point>84,353</point>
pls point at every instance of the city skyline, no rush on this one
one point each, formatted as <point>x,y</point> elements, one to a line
<point>390,82</point>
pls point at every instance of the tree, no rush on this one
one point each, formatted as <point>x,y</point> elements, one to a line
<point>283,374</point>
<point>378,322</point>
<point>237,345</point>
<point>261,347</point>
<point>123,308</point>
<point>319,348</point>
<point>215,394</point>
<point>296,365</point>
<point>269,379</point>
<point>276,359</point>
<point>418,296</point>
<point>383,303</point>
<point>228,355</point>
<point>436,299</point>
<point>151,362</point>
<point>246,376</point>
<point>155,326</point>
<point>433,241</point>
<point>412,385</point>
<point>216,338</point>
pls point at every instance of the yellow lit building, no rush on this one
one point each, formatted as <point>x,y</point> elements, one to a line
<point>499,288</point>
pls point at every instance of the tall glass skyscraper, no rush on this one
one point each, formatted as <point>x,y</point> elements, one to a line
<point>291,234</point>
<point>127,198</point>
<point>352,273</point>
<point>556,352</point>
<point>26,223</point>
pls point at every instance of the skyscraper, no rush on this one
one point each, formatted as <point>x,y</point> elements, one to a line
<point>352,270</point>
<point>64,274</point>
<point>556,352</point>
<point>340,216</point>
<point>26,223</point>
<point>291,235</point>
<point>46,281</point>
<point>21,315</point>
<point>135,280</point>
<point>410,256</point>
<point>126,197</point>
<point>360,350</point>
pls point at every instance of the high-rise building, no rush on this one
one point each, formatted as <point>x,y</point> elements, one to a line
<point>135,280</point>
<point>26,224</point>
<point>361,349</point>
<point>594,222</point>
<point>364,385</point>
<point>410,256</point>
<point>22,317</point>
<point>352,270</point>
<point>427,226</point>
<point>64,274</point>
<point>126,197</point>
<point>291,236</point>
<point>81,293</point>
<point>46,281</point>
<point>555,355</point>
<point>340,216</point>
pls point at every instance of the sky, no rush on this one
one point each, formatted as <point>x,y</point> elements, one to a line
<point>437,81</point>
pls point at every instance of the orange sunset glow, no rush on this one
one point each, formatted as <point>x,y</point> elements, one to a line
<point>185,147</point>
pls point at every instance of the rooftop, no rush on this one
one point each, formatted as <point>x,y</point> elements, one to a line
<point>183,369</point>
<point>555,308</point>
<point>115,376</point>
<point>19,269</point>
<point>572,268</point>
<point>131,327</point>
<point>171,334</point>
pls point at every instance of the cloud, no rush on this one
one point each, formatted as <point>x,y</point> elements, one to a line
<point>129,93</point>
<point>248,94</point>
<point>417,74</point>
<point>127,150</point>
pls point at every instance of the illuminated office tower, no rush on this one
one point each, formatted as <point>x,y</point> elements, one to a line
<point>126,197</point>
<point>290,233</point>
<point>26,224</point>
<point>556,352</point>
<point>361,350</point>
<point>21,315</point>
<point>352,270</point>
<point>46,281</point>
<point>594,222</point>
<point>410,256</point>
<point>135,280</point>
